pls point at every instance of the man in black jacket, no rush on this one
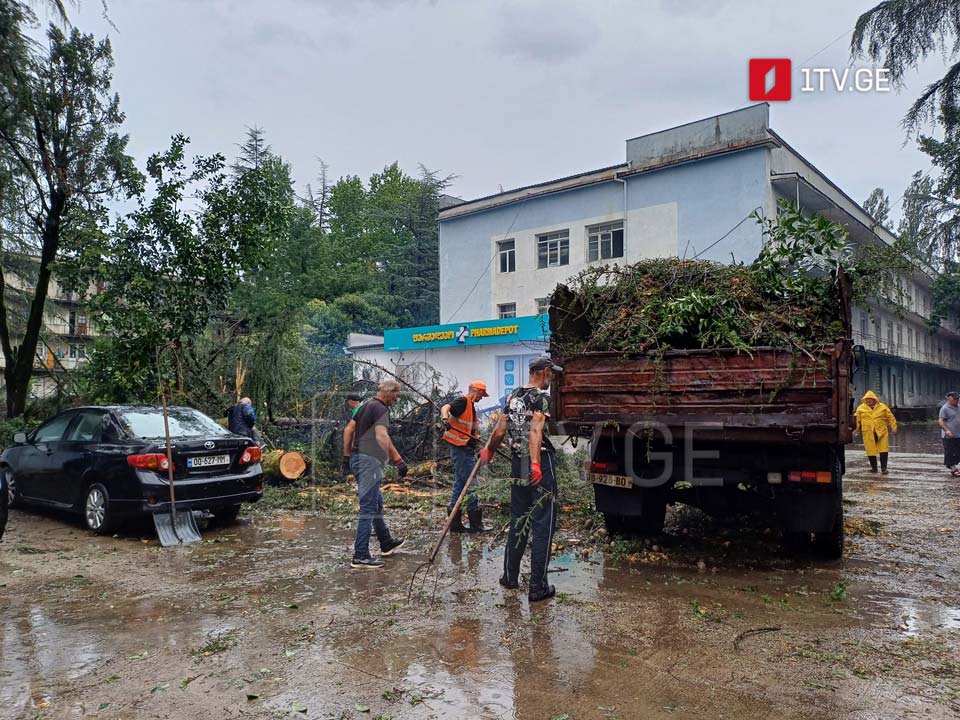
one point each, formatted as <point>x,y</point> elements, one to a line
<point>241,419</point>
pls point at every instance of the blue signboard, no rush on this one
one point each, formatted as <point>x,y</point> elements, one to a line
<point>483,332</point>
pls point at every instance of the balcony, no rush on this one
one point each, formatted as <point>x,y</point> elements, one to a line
<point>905,352</point>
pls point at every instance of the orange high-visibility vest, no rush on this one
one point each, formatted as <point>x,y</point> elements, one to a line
<point>461,428</point>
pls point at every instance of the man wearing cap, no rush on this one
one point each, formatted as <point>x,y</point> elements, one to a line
<point>949,422</point>
<point>533,493</point>
<point>461,434</point>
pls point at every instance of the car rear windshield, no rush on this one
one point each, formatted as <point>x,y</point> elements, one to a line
<point>184,422</point>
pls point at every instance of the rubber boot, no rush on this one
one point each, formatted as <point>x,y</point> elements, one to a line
<point>476,520</point>
<point>883,462</point>
<point>457,524</point>
<point>873,463</point>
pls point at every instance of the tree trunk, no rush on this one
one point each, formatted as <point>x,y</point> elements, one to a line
<point>18,377</point>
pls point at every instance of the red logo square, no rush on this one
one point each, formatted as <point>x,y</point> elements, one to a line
<point>770,79</point>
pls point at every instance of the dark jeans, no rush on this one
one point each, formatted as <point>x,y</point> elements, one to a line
<point>533,514</point>
<point>951,451</point>
<point>369,473</point>
<point>463,461</point>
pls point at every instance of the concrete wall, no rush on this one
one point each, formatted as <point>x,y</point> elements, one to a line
<point>676,211</point>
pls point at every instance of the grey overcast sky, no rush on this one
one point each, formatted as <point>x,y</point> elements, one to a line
<point>499,93</point>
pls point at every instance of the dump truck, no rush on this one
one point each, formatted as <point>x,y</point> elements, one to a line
<point>725,430</point>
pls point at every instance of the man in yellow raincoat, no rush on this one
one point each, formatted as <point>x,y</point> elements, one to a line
<point>875,421</point>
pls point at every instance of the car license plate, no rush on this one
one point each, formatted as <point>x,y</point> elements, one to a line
<point>620,481</point>
<point>208,461</point>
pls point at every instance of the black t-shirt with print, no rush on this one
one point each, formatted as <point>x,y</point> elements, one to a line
<point>369,415</point>
<point>520,406</point>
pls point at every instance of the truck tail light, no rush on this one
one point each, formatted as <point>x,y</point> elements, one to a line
<point>823,477</point>
<point>251,455</point>
<point>149,461</point>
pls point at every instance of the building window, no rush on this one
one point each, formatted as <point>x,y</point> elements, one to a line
<point>507,310</point>
<point>890,347</point>
<point>553,249</point>
<point>864,327</point>
<point>508,255</point>
<point>899,335</point>
<point>910,381</point>
<point>605,242</point>
<point>73,352</point>
<point>910,338</point>
<point>543,305</point>
<point>72,322</point>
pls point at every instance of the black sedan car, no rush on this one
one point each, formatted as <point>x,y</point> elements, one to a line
<point>108,463</point>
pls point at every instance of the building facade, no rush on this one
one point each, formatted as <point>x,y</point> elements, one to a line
<point>687,192</point>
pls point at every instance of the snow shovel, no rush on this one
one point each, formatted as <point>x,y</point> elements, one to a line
<point>443,535</point>
<point>174,528</point>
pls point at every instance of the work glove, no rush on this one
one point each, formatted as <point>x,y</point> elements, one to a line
<point>536,474</point>
<point>345,467</point>
<point>402,468</point>
<point>485,455</point>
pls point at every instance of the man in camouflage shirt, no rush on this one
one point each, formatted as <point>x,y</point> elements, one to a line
<point>533,494</point>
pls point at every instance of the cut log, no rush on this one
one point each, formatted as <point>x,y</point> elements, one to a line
<point>292,465</point>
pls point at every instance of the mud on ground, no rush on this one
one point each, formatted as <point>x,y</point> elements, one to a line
<point>265,619</point>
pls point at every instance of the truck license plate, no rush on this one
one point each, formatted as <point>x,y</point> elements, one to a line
<point>620,481</point>
<point>208,461</point>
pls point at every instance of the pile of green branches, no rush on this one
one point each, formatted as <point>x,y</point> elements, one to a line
<point>794,296</point>
<point>670,303</point>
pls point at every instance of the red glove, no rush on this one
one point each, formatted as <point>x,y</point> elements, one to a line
<point>485,455</point>
<point>536,474</point>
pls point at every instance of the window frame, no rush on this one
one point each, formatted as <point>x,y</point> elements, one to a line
<point>561,238</point>
<point>507,256</point>
<point>501,310</point>
<point>597,232</point>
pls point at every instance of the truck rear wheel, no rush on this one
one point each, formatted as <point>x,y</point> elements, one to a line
<point>648,522</point>
<point>829,545</point>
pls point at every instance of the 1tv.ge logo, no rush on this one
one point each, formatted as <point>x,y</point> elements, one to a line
<point>770,79</point>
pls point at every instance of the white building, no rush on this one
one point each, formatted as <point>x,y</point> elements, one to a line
<point>687,192</point>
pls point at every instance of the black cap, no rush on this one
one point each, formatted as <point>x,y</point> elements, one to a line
<point>355,396</point>
<point>953,393</point>
<point>542,363</point>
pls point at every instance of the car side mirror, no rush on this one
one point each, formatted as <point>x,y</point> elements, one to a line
<point>19,438</point>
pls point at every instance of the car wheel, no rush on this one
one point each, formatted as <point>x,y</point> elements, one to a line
<point>96,510</point>
<point>13,490</point>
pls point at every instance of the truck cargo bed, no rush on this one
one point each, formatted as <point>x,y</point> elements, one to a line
<point>768,395</point>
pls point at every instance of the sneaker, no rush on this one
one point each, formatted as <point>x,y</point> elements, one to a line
<point>507,584</point>
<point>547,593</point>
<point>391,546</point>
<point>366,563</point>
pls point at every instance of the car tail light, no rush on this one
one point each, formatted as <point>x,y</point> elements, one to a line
<point>251,455</point>
<point>152,501</point>
<point>150,461</point>
<point>823,477</point>
<point>258,488</point>
<point>601,467</point>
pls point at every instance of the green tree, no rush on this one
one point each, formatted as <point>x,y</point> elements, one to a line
<point>169,270</point>
<point>877,206</point>
<point>899,34</point>
<point>61,159</point>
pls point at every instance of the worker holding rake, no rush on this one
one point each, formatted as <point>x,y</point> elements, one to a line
<point>533,492</point>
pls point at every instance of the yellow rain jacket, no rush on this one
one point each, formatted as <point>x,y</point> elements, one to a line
<point>875,422</point>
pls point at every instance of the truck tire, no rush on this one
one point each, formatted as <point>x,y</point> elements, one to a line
<point>648,522</point>
<point>829,545</point>
<point>650,519</point>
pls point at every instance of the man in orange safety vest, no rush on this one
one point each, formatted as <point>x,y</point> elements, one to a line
<point>461,428</point>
